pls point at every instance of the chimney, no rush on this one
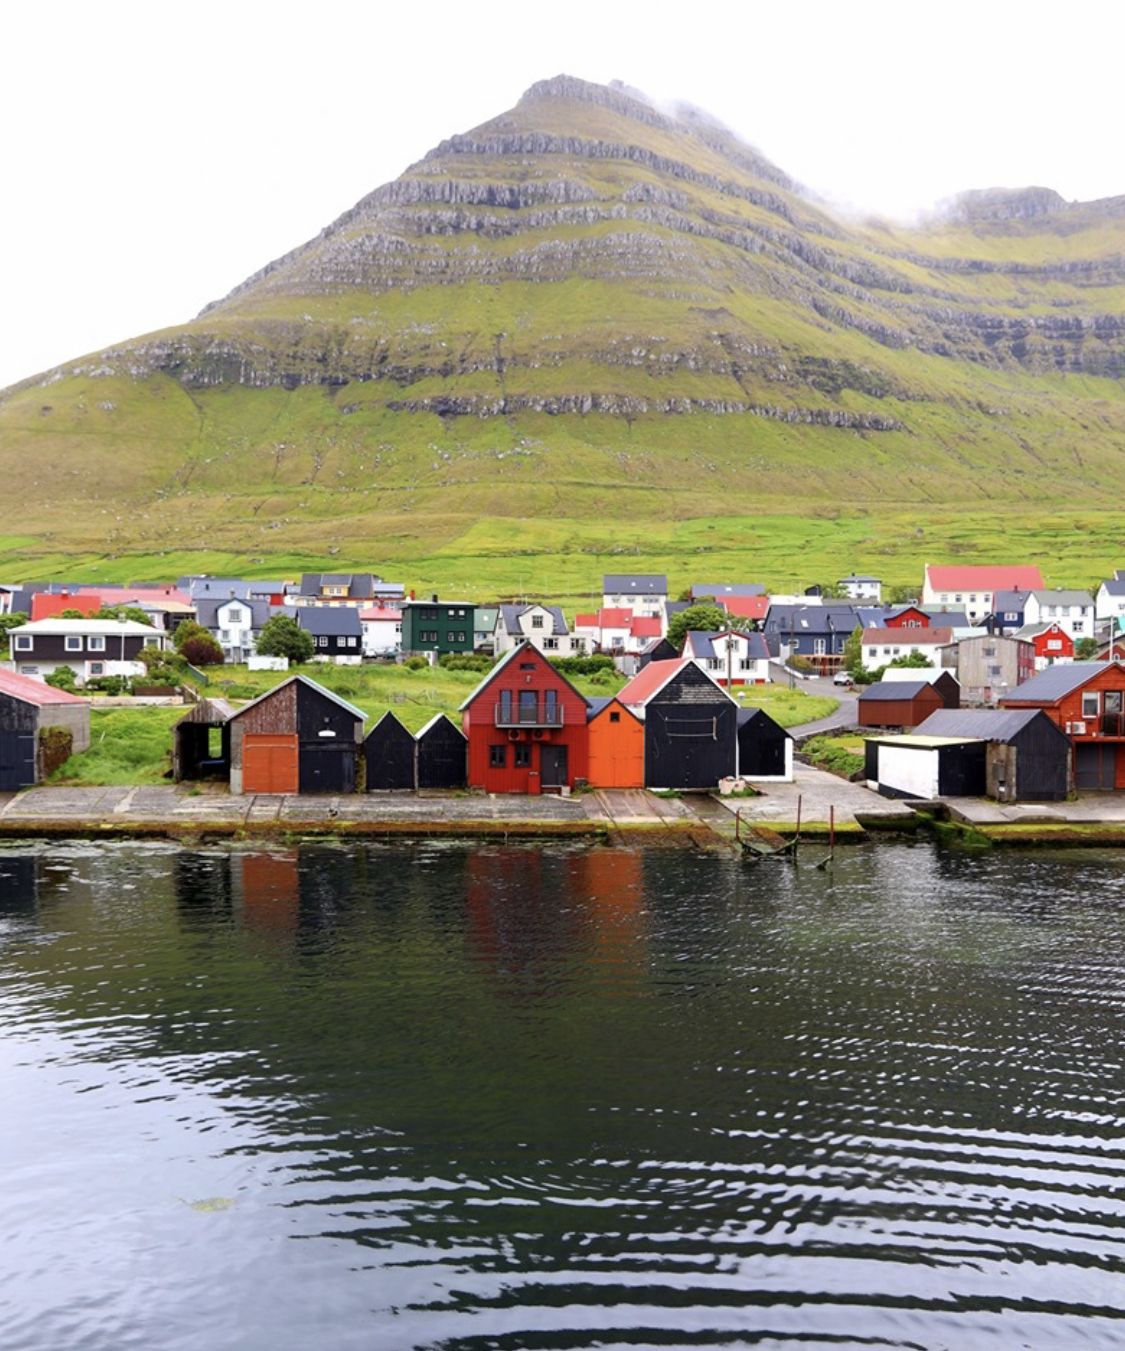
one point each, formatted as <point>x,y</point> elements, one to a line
<point>433,599</point>
<point>411,593</point>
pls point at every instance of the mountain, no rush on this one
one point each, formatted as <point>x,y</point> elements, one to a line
<point>587,328</point>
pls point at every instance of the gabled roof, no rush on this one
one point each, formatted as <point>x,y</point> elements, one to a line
<point>599,703</point>
<point>312,685</point>
<point>987,724</point>
<point>651,679</point>
<point>1056,682</point>
<point>1034,630</point>
<point>1010,602</point>
<point>128,628</point>
<point>746,607</point>
<point>983,577</point>
<point>433,722</point>
<point>373,614</point>
<point>747,715</point>
<point>1114,586</point>
<point>31,691</point>
<point>524,649</point>
<point>645,626</point>
<point>931,637</point>
<point>858,577</point>
<point>586,621</point>
<point>635,583</point>
<point>330,621</point>
<point>1061,596</point>
<point>702,644</point>
<point>897,690</point>
<point>513,613</point>
<point>725,590</point>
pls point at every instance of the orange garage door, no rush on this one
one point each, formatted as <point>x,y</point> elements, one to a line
<point>269,763</point>
<point>616,760</point>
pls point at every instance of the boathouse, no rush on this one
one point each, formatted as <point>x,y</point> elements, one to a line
<point>617,746</point>
<point>297,738</point>
<point>893,703</point>
<point>28,708</point>
<point>1028,758</point>
<point>1086,700</point>
<point>388,756</point>
<point>201,741</point>
<point>926,767</point>
<point>441,754</point>
<point>690,722</point>
<point>765,748</point>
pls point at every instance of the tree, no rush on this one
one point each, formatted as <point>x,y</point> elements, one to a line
<point>186,631</point>
<point>707,617</point>
<point>914,659</point>
<point>853,653</point>
<point>282,636</point>
<point>1086,649</point>
<point>132,612</point>
<point>202,651</point>
<point>900,595</point>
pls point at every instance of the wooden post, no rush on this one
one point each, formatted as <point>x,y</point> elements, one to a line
<point>797,837</point>
<point>738,824</point>
<point>831,831</point>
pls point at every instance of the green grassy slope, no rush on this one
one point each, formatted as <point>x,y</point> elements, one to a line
<point>587,336</point>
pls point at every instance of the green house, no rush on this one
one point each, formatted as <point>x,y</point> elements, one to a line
<point>438,625</point>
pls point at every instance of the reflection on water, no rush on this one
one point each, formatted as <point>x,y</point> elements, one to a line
<point>418,1096</point>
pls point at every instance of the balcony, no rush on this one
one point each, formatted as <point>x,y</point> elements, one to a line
<point>539,714</point>
<point>1112,724</point>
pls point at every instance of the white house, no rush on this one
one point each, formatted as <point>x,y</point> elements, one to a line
<point>90,647</point>
<point>730,657</point>
<point>1109,603</point>
<point>642,593</point>
<point>975,586</point>
<point>1071,610</point>
<point>859,587</point>
<point>382,630</point>
<point>879,647</point>
<point>544,626</point>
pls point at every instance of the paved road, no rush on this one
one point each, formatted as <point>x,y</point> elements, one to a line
<point>845,715</point>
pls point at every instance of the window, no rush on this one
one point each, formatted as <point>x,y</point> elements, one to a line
<point>550,644</point>
<point>428,636</point>
<point>1011,616</point>
<point>744,663</point>
<point>536,621</point>
<point>456,637</point>
<point>995,670</point>
<point>497,757</point>
<point>523,755</point>
<point>989,650</point>
<point>818,647</point>
<point>1090,704</point>
<point>24,642</point>
<point>714,664</point>
<point>550,705</point>
<point>73,642</point>
<point>1054,644</point>
<point>97,668</point>
<point>234,615</point>
<point>95,642</point>
<point>224,635</point>
<point>428,614</point>
<point>527,666</point>
<point>615,717</point>
<point>321,641</point>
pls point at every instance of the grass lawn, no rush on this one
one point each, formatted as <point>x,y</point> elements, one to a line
<point>132,745</point>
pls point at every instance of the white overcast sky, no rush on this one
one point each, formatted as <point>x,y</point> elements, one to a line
<point>154,155</point>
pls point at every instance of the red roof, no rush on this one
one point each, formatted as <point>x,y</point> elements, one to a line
<point>375,612</point>
<point>35,691</point>
<point>48,605</point>
<point>614,619</point>
<point>586,621</point>
<point>919,637</point>
<point>746,607</point>
<point>984,578</point>
<point>645,626</point>
<point>649,679</point>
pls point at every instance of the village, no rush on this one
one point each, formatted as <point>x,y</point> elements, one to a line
<point>988,686</point>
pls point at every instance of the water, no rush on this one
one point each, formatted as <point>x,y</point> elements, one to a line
<point>396,1097</point>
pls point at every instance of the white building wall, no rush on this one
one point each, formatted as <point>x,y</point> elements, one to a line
<point>909,770</point>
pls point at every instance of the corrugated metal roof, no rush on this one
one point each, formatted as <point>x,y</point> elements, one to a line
<point>984,724</point>
<point>931,637</point>
<point>32,691</point>
<point>1056,682</point>
<point>899,691</point>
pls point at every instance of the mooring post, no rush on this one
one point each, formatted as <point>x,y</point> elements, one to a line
<point>797,836</point>
<point>738,824</point>
<point>831,831</point>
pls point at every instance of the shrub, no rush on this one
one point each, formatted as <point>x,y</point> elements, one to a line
<point>63,678</point>
<point>202,651</point>
<point>465,661</point>
<point>186,630</point>
<point>416,663</point>
<point>591,665</point>
<point>113,684</point>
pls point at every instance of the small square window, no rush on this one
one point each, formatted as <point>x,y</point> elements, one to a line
<point>615,717</point>
<point>95,642</point>
<point>497,756</point>
<point>24,642</point>
<point>73,642</point>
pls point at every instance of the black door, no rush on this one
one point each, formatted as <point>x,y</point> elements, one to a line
<point>552,767</point>
<point>1093,766</point>
<point>17,760</point>
<point>326,769</point>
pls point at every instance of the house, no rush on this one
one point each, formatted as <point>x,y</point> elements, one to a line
<point>1028,758</point>
<point>617,631</point>
<point>345,588</point>
<point>296,738</point>
<point>526,727</point>
<point>438,626</point>
<point>616,757</point>
<point>989,666</point>
<point>765,748</point>
<point>441,754</point>
<point>690,721</point>
<point>90,647</point>
<point>235,623</point>
<point>730,657</point>
<point>1111,649</point>
<point>879,647</point>
<point>921,617</point>
<point>336,632</point>
<point>901,703</point>
<point>975,586</point>
<point>201,741</point>
<point>28,707</point>
<point>749,611</point>
<point>1073,610</point>
<point>642,593</point>
<point>656,649</point>
<point>544,626</point>
<point>1051,641</point>
<point>484,627</point>
<point>381,629</point>
<point>1086,700</point>
<point>862,588</point>
<point>51,605</point>
<point>943,680</point>
<point>1008,612</point>
<point>1110,600</point>
<point>389,756</point>
<point>817,633</point>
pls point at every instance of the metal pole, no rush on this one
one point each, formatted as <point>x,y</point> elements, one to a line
<point>797,837</point>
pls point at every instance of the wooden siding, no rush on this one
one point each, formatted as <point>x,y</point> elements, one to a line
<point>269,762</point>
<point>761,748</point>
<point>899,712</point>
<point>617,749</point>
<point>389,755</point>
<point>691,733</point>
<point>442,756</point>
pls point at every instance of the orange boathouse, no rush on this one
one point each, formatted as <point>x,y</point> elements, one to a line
<point>616,746</point>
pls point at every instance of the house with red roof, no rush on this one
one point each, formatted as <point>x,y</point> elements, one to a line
<point>381,628</point>
<point>975,585</point>
<point>752,608</point>
<point>27,708</point>
<point>526,727</point>
<point>617,630</point>
<point>50,604</point>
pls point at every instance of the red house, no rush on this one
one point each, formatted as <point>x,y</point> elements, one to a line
<point>527,727</point>
<point>910,617</point>
<point>1086,699</point>
<point>1052,643</point>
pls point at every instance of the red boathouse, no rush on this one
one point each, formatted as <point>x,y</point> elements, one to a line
<point>526,727</point>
